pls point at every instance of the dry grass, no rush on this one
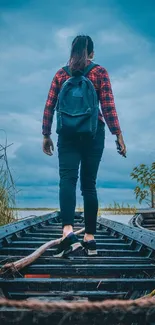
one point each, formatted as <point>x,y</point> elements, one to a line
<point>116,208</point>
<point>7,189</point>
<point>36,209</point>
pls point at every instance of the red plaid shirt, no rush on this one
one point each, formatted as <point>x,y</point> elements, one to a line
<point>101,81</point>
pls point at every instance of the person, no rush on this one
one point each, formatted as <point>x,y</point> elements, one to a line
<point>81,151</point>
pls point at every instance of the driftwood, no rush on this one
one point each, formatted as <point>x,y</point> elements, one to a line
<point>20,264</point>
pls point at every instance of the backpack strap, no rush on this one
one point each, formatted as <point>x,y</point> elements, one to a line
<point>86,70</point>
<point>67,70</point>
<point>89,67</point>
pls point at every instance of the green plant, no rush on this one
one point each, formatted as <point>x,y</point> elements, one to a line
<point>7,189</point>
<point>145,176</point>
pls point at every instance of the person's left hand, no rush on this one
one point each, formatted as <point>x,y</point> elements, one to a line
<point>48,146</point>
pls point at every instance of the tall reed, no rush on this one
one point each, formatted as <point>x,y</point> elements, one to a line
<point>7,188</point>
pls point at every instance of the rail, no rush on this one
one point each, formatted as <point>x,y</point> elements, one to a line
<point>144,219</point>
<point>107,286</point>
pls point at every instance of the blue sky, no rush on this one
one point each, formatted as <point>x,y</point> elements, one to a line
<point>35,38</point>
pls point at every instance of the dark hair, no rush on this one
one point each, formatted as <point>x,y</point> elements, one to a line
<point>82,46</point>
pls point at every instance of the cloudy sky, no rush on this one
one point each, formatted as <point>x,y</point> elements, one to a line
<point>35,38</point>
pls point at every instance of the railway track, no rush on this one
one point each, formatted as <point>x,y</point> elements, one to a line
<point>124,268</point>
<point>144,219</point>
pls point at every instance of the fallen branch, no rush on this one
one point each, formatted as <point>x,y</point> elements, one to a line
<point>106,306</point>
<point>80,313</point>
<point>20,264</point>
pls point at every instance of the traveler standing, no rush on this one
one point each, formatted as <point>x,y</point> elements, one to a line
<point>75,93</point>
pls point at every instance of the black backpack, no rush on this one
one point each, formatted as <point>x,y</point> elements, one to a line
<point>77,106</point>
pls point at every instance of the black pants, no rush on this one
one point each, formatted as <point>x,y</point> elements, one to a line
<point>71,152</point>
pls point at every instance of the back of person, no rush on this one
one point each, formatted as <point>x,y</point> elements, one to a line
<point>82,151</point>
<point>97,76</point>
<point>94,74</point>
<point>78,105</point>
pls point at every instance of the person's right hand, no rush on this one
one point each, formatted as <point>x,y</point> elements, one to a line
<point>48,146</point>
<point>122,149</point>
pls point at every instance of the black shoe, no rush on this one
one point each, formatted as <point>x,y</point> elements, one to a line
<point>90,247</point>
<point>68,245</point>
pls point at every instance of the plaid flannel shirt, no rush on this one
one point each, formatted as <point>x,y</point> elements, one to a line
<point>100,79</point>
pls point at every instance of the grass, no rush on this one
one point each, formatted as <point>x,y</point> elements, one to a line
<point>7,215</point>
<point>116,208</point>
<point>35,209</point>
<point>7,190</point>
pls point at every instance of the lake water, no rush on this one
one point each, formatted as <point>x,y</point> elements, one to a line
<point>116,217</point>
<point>123,218</point>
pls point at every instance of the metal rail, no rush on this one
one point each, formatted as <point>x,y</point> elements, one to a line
<point>124,268</point>
<point>144,219</point>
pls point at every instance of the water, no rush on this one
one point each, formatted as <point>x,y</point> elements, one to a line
<point>31,213</point>
<point>116,217</point>
<point>123,218</point>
